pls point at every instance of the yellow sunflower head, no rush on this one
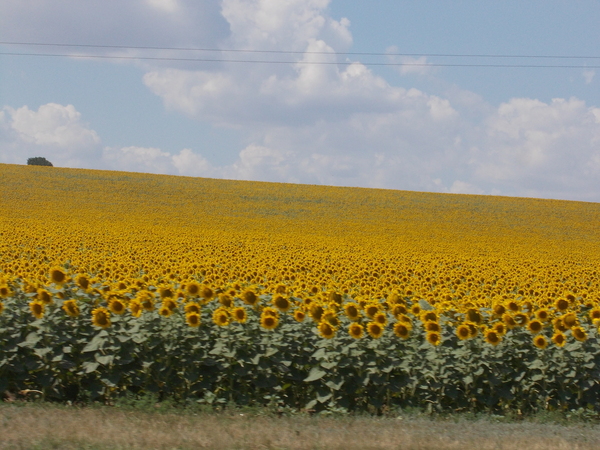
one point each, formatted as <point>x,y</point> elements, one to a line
<point>269,322</point>
<point>402,330</point>
<point>570,320</point>
<point>562,304</point>
<point>37,309</point>
<point>559,339</point>
<point>375,329</point>
<point>579,333</point>
<point>249,297</point>
<point>356,330</point>
<point>432,326</point>
<point>193,319</point>
<point>540,341</point>
<point>239,314</point>
<point>281,303</point>
<point>58,275</point>
<point>136,308</point>
<point>434,338</point>
<point>535,326</point>
<point>492,337</point>
<point>192,289</point>
<point>326,330</point>
<point>165,311</point>
<point>44,296</point>
<point>101,317</point>
<point>463,332</point>
<point>5,291</point>
<point>117,306</point>
<point>352,311</point>
<point>71,308</point>
<point>221,316</point>
<point>299,315</point>
<point>192,307</point>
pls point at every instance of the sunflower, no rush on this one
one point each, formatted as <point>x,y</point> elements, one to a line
<point>166,292</point>
<point>542,314</point>
<point>415,309</point>
<point>405,319</point>
<point>500,328</point>
<point>540,341</point>
<point>371,310</point>
<point>71,308</point>
<point>429,316</point>
<point>513,306</point>
<point>356,330</point>
<point>281,303</point>
<point>193,319</point>
<point>399,310</point>
<point>492,337</point>
<point>535,326</point>
<point>375,330</point>
<point>559,339</point>
<point>82,281</point>
<point>432,326</point>
<point>463,332</point>
<point>380,318</point>
<point>402,330</point>
<point>1,307</point>
<point>561,304</point>
<point>509,321</point>
<point>326,330</point>
<point>316,312</point>
<point>474,316</point>
<point>594,314</point>
<point>116,306</point>
<point>44,296</point>
<point>37,308</point>
<point>269,322</point>
<point>136,308</point>
<point>58,275</point>
<point>239,314</point>
<point>299,315</point>
<point>165,311</point>
<point>192,289</point>
<point>434,338</point>
<point>206,293</point>
<point>5,291</point>
<point>579,333</point>
<point>521,319</point>
<point>559,325</point>
<point>330,316</point>
<point>352,311</point>
<point>169,303</point>
<point>221,316</point>
<point>499,309</point>
<point>192,307</point>
<point>268,311</point>
<point>249,297</point>
<point>101,317</point>
<point>473,329</point>
<point>569,320</point>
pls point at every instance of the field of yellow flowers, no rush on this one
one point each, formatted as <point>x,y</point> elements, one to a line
<point>302,296</point>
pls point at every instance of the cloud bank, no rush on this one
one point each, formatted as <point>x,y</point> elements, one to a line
<point>336,123</point>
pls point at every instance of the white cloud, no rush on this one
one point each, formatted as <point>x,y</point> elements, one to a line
<point>588,75</point>
<point>407,65</point>
<point>53,131</point>
<point>333,123</point>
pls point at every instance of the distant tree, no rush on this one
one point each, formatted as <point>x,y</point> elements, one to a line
<point>38,161</point>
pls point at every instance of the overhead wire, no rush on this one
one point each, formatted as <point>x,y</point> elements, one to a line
<point>284,52</point>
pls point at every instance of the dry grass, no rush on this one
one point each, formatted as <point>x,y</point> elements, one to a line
<point>42,427</point>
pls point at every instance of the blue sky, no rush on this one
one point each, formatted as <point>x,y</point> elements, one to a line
<point>532,132</point>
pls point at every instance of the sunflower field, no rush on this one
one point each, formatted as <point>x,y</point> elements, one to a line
<point>308,297</point>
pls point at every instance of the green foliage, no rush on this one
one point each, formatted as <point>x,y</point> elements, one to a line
<point>38,161</point>
<point>68,358</point>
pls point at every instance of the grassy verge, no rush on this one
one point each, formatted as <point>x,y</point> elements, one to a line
<point>144,425</point>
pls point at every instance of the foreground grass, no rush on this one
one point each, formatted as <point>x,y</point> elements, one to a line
<point>47,426</point>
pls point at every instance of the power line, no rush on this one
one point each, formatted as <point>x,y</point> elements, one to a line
<point>448,55</point>
<point>253,61</point>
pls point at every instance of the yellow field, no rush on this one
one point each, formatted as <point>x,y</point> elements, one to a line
<point>106,274</point>
<point>460,249</point>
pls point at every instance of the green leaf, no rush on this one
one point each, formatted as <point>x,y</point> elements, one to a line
<point>316,373</point>
<point>105,359</point>
<point>89,366</point>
